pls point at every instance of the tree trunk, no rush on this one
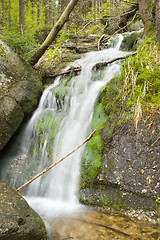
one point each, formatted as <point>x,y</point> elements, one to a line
<point>9,14</point>
<point>22,13</point>
<point>158,20</point>
<point>2,2</point>
<point>146,12</point>
<point>38,13</point>
<point>53,33</point>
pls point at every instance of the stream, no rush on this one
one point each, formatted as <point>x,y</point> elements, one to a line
<point>59,124</point>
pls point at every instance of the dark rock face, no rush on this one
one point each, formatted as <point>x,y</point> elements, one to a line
<point>17,220</point>
<point>20,89</point>
<point>131,159</point>
<point>130,176</point>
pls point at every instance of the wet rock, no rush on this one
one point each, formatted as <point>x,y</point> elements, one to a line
<point>17,220</point>
<point>130,41</point>
<point>20,89</point>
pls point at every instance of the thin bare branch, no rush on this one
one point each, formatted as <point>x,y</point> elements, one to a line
<point>54,164</point>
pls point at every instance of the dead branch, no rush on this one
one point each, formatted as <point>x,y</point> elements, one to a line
<point>101,65</point>
<point>155,141</point>
<point>100,41</point>
<point>126,24</point>
<point>96,67</point>
<point>54,164</point>
<point>108,18</point>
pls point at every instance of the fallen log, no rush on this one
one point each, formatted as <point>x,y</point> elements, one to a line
<point>101,65</point>
<point>63,72</point>
<point>96,67</point>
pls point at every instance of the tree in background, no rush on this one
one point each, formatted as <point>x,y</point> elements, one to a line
<point>21,20</point>
<point>21,14</point>
<point>158,20</point>
<point>55,30</point>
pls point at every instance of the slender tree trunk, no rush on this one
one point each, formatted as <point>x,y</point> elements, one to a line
<point>9,14</point>
<point>46,12</point>
<point>33,12</point>
<point>158,20</point>
<point>38,12</point>
<point>53,33</point>
<point>2,3</point>
<point>22,14</point>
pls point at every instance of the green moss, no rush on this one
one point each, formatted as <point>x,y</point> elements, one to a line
<point>112,199</point>
<point>91,163</point>
<point>129,41</point>
<point>86,201</point>
<point>117,203</point>
<point>151,30</point>
<point>2,51</point>
<point>110,165</point>
<point>63,89</point>
<point>45,122</point>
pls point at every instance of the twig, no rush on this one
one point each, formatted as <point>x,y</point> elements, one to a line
<point>63,72</point>
<point>100,41</point>
<point>126,25</point>
<point>106,18</point>
<point>54,164</point>
<point>155,141</point>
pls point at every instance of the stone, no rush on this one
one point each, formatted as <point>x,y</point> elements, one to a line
<point>18,221</point>
<point>20,89</point>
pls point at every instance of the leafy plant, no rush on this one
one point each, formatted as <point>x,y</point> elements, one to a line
<point>157,199</point>
<point>22,44</point>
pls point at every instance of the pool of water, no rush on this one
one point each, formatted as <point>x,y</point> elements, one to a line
<point>93,225</point>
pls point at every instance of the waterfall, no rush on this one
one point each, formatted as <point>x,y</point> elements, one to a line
<point>60,123</point>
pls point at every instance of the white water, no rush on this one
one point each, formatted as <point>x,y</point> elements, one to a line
<point>56,192</point>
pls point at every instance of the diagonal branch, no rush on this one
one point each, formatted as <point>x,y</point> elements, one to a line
<point>54,164</point>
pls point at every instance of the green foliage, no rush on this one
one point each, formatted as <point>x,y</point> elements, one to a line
<point>141,75</point>
<point>104,9</point>
<point>2,51</point>
<point>23,45</point>
<point>86,201</point>
<point>157,199</point>
<point>62,38</point>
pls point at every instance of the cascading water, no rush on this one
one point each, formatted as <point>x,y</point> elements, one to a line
<point>60,123</point>
<point>69,105</point>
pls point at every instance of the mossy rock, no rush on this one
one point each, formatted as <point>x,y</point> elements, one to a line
<point>131,41</point>
<point>20,90</point>
<point>11,116</point>
<point>18,220</point>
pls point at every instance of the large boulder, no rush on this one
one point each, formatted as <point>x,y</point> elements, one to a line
<point>18,221</point>
<point>20,89</point>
